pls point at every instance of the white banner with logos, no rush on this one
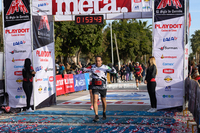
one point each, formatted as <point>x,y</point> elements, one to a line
<point>44,80</point>
<point>169,54</point>
<point>111,9</point>
<point>17,49</point>
<point>42,7</point>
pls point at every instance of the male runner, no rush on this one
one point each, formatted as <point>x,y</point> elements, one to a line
<point>138,73</point>
<point>99,82</point>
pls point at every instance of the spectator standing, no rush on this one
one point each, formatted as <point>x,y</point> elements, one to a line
<point>131,71</point>
<point>198,66</point>
<point>28,74</point>
<point>151,83</point>
<point>68,68</point>
<point>143,72</point>
<point>61,68</point>
<point>127,72</point>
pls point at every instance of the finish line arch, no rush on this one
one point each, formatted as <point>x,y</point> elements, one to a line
<point>29,25</point>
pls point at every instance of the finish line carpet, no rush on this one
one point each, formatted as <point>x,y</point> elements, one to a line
<point>82,121</point>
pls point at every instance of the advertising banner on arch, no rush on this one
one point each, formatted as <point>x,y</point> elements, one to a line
<point>17,47</point>
<point>65,10</point>
<point>168,49</point>
<point>44,61</point>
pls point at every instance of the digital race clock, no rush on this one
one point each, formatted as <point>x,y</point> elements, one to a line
<point>89,19</point>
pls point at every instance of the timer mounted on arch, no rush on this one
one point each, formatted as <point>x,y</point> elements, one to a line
<point>89,19</point>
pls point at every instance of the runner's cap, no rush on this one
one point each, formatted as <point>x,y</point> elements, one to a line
<point>137,63</point>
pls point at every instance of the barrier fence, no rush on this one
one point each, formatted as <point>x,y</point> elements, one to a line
<point>192,96</point>
<point>71,83</point>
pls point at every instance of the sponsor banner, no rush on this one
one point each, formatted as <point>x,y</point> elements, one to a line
<point>18,34</point>
<point>17,97</point>
<point>42,31</point>
<point>167,29</point>
<point>169,52</point>
<point>60,88</point>
<point>16,12</point>
<point>69,83</point>
<point>186,60</point>
<point>169,7</point>
<point>42,7</point>
<point>79,82</point>
<point>118,9</point>
<point>44,55</point>
<point>87,80</point>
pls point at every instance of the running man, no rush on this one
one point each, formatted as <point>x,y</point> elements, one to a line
<point>138,74</point>
<point>99,82</point>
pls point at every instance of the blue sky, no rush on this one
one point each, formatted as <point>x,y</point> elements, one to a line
<point>194,10</point>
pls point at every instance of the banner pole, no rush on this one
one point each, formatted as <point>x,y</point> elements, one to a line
<point>54,70</point>
<point>184,61</point>
<point>32,53</point>
<point>153,27</point>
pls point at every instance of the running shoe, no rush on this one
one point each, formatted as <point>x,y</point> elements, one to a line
<point>104,116</point>
<point>153,110</point>
<point>91,108</point>
<point>138,88</point>
<point>96,118</point>
<point>150,110</point>
<point>29,110</point>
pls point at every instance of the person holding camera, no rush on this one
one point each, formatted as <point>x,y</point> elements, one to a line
<point>28,74</point>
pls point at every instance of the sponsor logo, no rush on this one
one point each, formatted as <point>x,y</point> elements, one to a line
<point>16,6</point>
<point>137,7</point>
<point>13,60</point>
<point>164,3</point>
<point>43,4</point>
<point>25,30</point>
<point>168,96</point>
<point>167,64</point>
<point>44,23</point>
<point>79,82</point>
<point>168,71</point>
<point>137,1</point>
<point>51,78</point>
<point>48,69</point>
<point>168,79</point>
<point>168,27</point>
<point>40,89</point>
<point>59,83</point>
<point>165,47</point>
<point>97,71</point>
<point>19,96</point>
<point>38,68</point>
<point>146,7</point>
<point>45,79</point>
<point>18,66</point>
<point>37,80</point>
<point>43,53</point>
<point>18,73</point>
<point>186,51</point>
<point>19,89</point>
<point>168,88</point>
<point>19,43</point>
<point>170,57</point>
<point>168,39</point>
<point>18,51</point>
<point>19,80</point>
<point>45,89</point>
<point>44,60</point>
<point>49,88</point>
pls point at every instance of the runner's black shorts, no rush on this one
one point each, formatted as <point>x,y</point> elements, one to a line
<point>102,92</point>
<point>137,77</point>
<point>90,87</point>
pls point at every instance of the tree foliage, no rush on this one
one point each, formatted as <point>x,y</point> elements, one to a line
<point>195,42</point>
<point>71,39</point>
<point>134,38</point>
